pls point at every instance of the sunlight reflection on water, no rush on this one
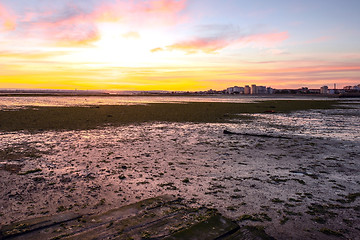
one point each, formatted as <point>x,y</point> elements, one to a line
<point>66,101</point>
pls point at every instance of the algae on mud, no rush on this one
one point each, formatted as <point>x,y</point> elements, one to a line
<point>71,118</point>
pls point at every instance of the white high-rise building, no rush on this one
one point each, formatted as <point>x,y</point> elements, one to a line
<point>230,90</point>
<point>324,90</point>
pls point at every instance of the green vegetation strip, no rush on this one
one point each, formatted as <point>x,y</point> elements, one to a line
<point>71,118</point>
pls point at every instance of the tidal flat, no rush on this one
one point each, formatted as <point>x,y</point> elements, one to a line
<point>300,183</point>
<point>35,118</point>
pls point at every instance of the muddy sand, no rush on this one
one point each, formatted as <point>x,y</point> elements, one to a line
<point>296,182</point>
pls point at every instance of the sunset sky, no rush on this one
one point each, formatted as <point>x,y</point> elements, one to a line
<point>178,44</point>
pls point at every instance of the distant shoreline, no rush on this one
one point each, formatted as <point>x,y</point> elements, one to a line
<point>343,95</point>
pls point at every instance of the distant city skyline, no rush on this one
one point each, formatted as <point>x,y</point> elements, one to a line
<point>178,45</point>
<point>252,89</point>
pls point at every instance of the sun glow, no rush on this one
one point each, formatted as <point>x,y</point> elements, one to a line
<point>119,47</point>
<point>165,44</point>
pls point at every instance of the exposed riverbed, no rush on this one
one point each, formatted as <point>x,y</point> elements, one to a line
<point>305,186</point>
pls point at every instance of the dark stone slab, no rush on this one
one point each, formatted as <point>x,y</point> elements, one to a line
<point>163,217</point>
<point>249,233</point>
<point>215,227</point>
<point>25,228</point>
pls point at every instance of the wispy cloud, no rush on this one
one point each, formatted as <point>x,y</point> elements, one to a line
<point>78,24</point>
<point>7,19</point>
<point>276,51</point>
<point>209,45</point>
<point>265,39</point>
<point>131,34</point>
<point>139,12</point>
<point>213,44</point>
<point>156,50</point>
<point>319,40</point>
<point>319,69</point>
<point>29,55</point>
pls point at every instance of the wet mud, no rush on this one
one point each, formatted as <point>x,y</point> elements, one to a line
<point>301,183</point>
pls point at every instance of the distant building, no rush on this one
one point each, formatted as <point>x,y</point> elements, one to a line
<point>270,90</point>
<point>254,89</point>
<point>242,90</point>
<point>324,90</point>
<point>247,89</point>
<point>230,90</point>
<point>261,90</point>
<point>235,90</point>
<point>250,90</point>
<point>238,90</point>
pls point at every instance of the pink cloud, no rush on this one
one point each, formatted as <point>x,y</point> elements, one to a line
<point>139,13</point>
<point>33,16</point>
<point>28,16</point>
<point>76,30</point>
<point>317,69</point>
<point>203,45</point>
<point>7,19</point>
<point>311,75</point>
<point>320,69</point>
<point>164,6</point>
<point>212,45</point>
<point>319,40</point>
<point>265,39</point>
<point>75,25</point>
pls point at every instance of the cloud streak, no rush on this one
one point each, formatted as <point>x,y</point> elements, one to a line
<point>191,78</point>
<point>75,23</point>
<point>29,55</point>
<point>131,34</point>
<point>7,19</point>
<point>211,45</point>
<point>154,50</point>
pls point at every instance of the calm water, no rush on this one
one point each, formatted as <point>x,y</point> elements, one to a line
<point>337,124</point>
<point>21,102</point>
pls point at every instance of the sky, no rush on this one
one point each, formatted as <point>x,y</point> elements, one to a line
<point>178,45</point>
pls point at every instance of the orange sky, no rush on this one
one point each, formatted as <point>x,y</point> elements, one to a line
<point>176,44</point>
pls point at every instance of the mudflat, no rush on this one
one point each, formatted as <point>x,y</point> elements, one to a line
<point>59,118</point>
<point>283,170</point>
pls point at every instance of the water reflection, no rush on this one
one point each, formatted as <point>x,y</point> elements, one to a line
<point>21,102</point>
<point>341,124</point>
